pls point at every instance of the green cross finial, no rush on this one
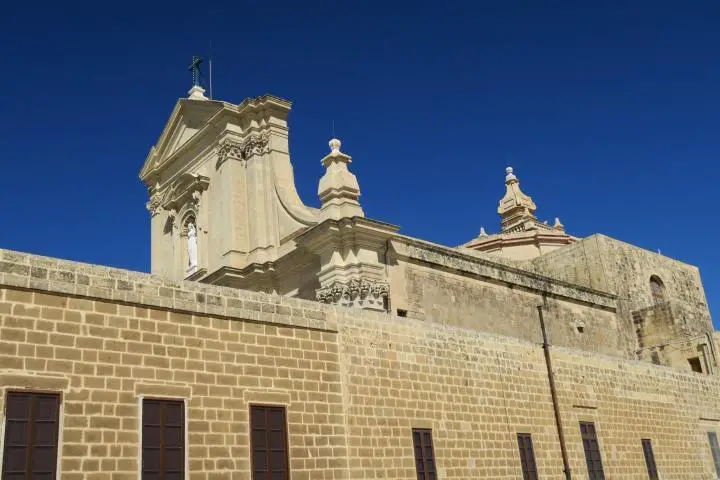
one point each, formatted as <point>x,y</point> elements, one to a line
<point>195,69</point>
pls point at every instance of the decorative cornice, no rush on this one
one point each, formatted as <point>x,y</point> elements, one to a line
<point>255,145</point>
<point>229,149</point>
<point>358,293</point>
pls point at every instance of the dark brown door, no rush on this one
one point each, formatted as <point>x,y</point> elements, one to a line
<point>31,432</point>
<point>527,456</point>
<point>163,440</point>
<point>592,451</point>
<point>268,442</point>
<point>424,454</point>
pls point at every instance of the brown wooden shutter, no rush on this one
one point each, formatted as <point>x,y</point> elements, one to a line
<point>163,440</point>
<point>268,442</point>
<point>424,454</point>
<point>31,433</point>
<point>527,456</point>
<point>592,451</point>
<point>649,459</point>
<point>715,450</point>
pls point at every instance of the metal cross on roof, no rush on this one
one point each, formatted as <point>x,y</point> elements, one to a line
<point>195,69</point>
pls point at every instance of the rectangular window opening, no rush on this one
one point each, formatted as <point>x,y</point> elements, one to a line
<point>424,454</point>
<point>695,365</point>
<point>649,459</point>
<point>715,450</point>
<point>31,435</point>
<point>527,456</point>
<point>163,439</point>
<point>592,451</point>
<point>268,443</point>
<point>401,312</point>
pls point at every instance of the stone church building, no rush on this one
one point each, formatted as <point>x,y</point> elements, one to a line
<point>275,341</point>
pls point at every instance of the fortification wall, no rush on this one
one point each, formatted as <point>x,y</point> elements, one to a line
<point>354,383</point>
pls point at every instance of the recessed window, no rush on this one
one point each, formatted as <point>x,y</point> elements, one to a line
<point>657,289</point>
<point>580,329</point>
<point>695,365</point>
<point>527,456</point>
<point>268,442</point>
<point>401,312</point>
<point>424,454</point>
<point>715,451</point>
<point>649,459</point>
<point>31,433</point>
<point>592,451</point>
<point>163,439</point>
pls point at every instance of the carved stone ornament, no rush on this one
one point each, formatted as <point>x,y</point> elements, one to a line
<point>154,206</point>
<point>255,145</point>
<point>355,293</point>
<point>196,197</point>
<point>229,149</point>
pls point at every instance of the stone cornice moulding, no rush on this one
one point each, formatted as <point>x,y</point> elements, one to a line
<point>419,251</point>
<point>359,230</point>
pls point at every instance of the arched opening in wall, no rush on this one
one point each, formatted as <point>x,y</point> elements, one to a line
<point>657,289</point>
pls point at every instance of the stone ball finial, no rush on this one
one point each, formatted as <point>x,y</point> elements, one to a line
<point>335,145</point>
<point>510,175</point>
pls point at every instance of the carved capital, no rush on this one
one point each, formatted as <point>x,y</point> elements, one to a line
<point>255,145</point>
<point>355,293</point>
<point>229,149</point>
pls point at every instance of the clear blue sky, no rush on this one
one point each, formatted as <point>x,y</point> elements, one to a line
<point>609,112</point>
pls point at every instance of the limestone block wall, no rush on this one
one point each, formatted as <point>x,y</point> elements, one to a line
<point>625,270</point>
<point>471,292</point>
<point>354,383</point>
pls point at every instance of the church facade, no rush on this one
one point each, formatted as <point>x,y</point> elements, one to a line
<point>273,340</point>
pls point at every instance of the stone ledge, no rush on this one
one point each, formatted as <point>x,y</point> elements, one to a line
<point>33,272</point>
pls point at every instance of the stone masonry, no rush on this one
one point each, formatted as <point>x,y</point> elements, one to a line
<point>355,382</point>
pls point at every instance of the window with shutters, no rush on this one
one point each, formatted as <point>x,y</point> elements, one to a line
<point>163,439</point>
<point>592,451</point>
<point>527,456</point>
<point>268,442</point>
<point>649,459</point>
<point>31,433</point>
<point>424,454</point>
<point>715,450</point>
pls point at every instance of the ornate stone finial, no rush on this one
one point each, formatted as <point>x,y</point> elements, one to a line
<point>335,145</point>
<point>339,190</point>
<point>510,177</point>
<point>558,225</point>
<point>482,232</point>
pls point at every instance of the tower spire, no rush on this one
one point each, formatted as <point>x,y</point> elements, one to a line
<point>516,209</point>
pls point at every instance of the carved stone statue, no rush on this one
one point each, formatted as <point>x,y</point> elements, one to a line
<point>192,246</point>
